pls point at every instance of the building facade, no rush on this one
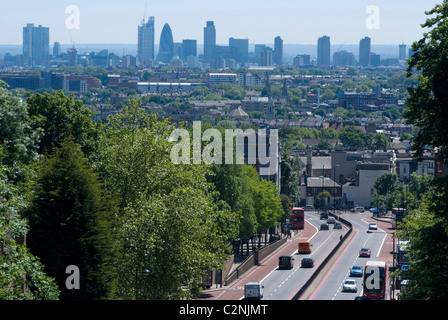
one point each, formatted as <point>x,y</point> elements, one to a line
<point>36,45</point>
<point>209,41</point>
<point>364,52</point>
<point>323,51</point>
<point>145,50</point>
<point>239,50</point>
<point>278,51</point>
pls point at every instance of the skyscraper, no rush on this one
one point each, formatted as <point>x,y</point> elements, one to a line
<point>166,45</point>
<point>209,41</point>
<point>364,52</point>
<point>402,52</point>
<point>239,49</point>
<point>145,48</point>
<point>189,48</point>
<point>278,51</point>
<point>266,57</point>
<point>36,45</point>
<point>323,51</point>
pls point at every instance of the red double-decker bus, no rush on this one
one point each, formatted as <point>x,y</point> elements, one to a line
<point>375,280</point>
<point>298,218</point>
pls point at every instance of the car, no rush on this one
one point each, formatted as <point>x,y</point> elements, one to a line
<point>324,226</point>
<point>373,226</point>
<point>349,285</point>
<point>324,215</point>
<point>358,209</point>
<point>337,225</point>
<point>309,207</point>
<point>356,271</point>
<point>331,220</point>
<point>364,252</point>
<point>307,263</point>
<point>285,262</point>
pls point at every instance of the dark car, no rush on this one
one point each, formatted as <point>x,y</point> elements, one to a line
<point>364,252</point>
<point>324,226</point>
<point>337,225</point>
<point>324,215</point>
<point>285,262</point>
<point>307,263</point>
<point>356,271</point>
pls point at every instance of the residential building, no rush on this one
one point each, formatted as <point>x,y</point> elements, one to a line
<point>266,57</point>
<point>215,78</point>
<point>323,51</point>
<point>278,51</point>
<point>145,47</point>
<point>36,45</point>
<point>364,52</point>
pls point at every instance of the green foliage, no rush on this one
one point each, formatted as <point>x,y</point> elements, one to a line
<point>426,105</point>
<point>22,275</point>
<point>71,222</point>
<point>16,134</point>
<point>169,220</point>
<point>61,116</point>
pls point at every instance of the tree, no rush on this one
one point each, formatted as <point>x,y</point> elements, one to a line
<point>71,223</point>
<point>61,116</point>
<point>170,220</point>
<point>22,274</point>
<point>17,137</point>
<point>386,183</point>
<point>352,137</point>
<point>426,105</point>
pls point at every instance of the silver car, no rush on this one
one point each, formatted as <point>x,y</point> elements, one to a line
<point>349,285</point>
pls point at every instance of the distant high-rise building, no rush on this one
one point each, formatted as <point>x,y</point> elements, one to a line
<point>343,58</point>
<point>258,48</point>
<point>56,49</point>
<point>72,56</point>
<point>364,52</point>
<point>166,45</point>
<point>36,45</point>
<point>278,51</point>
<point>266,57</point>
<point>209,41</point>
<point>402,52</point>
<point>375,59</point>
<point>145,48</point>
<point>239,49</point>
<point>323,51</point>
<point>189,48</point>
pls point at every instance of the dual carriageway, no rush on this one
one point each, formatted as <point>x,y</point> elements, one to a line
<point>327,285</point>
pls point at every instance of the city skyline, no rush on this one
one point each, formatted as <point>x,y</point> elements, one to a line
<point>260,22</point>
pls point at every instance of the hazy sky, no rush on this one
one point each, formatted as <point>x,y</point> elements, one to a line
<point>296,21</point>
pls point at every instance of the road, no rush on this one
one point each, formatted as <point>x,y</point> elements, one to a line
<point>380,243</point>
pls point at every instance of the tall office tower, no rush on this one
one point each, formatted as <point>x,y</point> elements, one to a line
<point>323,51</point>
<point>239,49</point>
<point>402,52</point>
<point>267,57</point>
<point>189,48</point>
<point>56,49</point>
<point>145,50</point>
<point>166,45</point>
<point>209,41</point>
<point>36,44</point>
<point>258,48</point>
<point>278,51</point>
<point>364,52</point>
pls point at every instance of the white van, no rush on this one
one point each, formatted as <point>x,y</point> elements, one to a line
<point>253,290</point>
